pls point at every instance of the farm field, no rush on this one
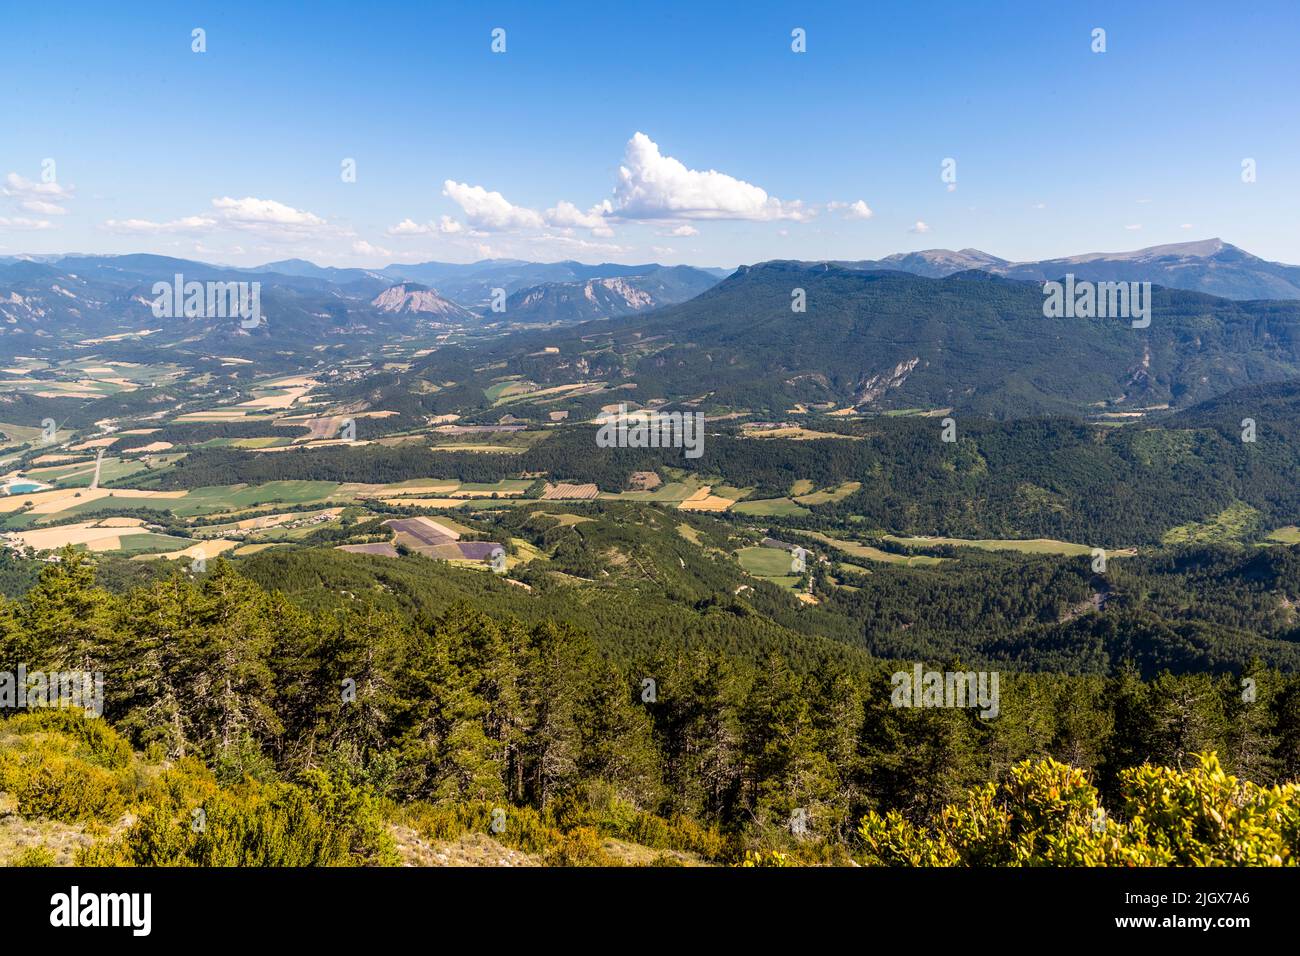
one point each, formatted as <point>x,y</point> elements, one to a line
<point>771,507</point>
<point>766,562</point>
<point>858,550</point>
<point>838,493</point>
<point>1026,546</point>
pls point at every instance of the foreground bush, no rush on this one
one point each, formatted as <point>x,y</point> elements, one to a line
<point>1047,814</point>
<point>569,831</point>
<point>61,766</point>
<point>322,820</point>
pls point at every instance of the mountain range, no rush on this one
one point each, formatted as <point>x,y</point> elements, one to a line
<point>877,340</point>
<point>45,300</point>
<point>1209,265</point>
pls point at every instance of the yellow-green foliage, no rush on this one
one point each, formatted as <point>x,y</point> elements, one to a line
<point>34,856</point>
<point>1047,813</point>
<point>579,847</point>
<point>765,858</point>
<point>522,828</point>
<point>62,766</point>
<point>568,832</point>
<point>322,821</point>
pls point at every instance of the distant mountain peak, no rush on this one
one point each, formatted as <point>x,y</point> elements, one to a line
<point>411,297</point>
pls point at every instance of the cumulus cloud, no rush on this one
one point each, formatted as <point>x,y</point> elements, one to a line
<point>919,227</point>
<point>42,199</point>
<point>565,215</point>
<point>852,210</point>
<point>266,217</point>
<point>264,214</point>
<point>489,211</point>
<point>409,227</point>
<point>654,186</point>
<point>685,230</point>
<point>1134,227</point>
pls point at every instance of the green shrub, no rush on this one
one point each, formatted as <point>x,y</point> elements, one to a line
<point>68,791</point>
<point>34,856</point>
<point>324,820</point>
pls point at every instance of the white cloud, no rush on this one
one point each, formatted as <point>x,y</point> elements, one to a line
<point>363,248</point>
<point>25,190</point>
<point>490,211</point>
<point>41,199</point>
<point>265,214</point>
<point>43,208</point>
<point>685,230</point>
<point>852,210</point>
<point>1040,205</point>
<point>565,215</point>
<point>654,186</point>
<point>188,224</point>
<point>576,243</point>
<point>920,227</point>
<point>16,185</point>
<point>409,227</point>
<point>1134,227</point>
<point>24,224</point>
<point>266,217</point>
<point>1187,225</point>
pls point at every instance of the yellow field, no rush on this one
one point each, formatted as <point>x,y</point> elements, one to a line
<point>146,449</point>
<point>203,549</point>
<point>56,500</point>
<point>375,491</point>
<point>94,443</point>
<point>703,500</point>
<point>427,502</point>
<point>89,533</point>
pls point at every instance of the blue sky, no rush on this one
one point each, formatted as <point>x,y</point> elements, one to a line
<point>748,150</point>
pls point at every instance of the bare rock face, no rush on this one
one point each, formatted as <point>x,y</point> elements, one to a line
<point>409,297</point>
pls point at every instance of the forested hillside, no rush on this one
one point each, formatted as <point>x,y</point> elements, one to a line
<point>247,703</point>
